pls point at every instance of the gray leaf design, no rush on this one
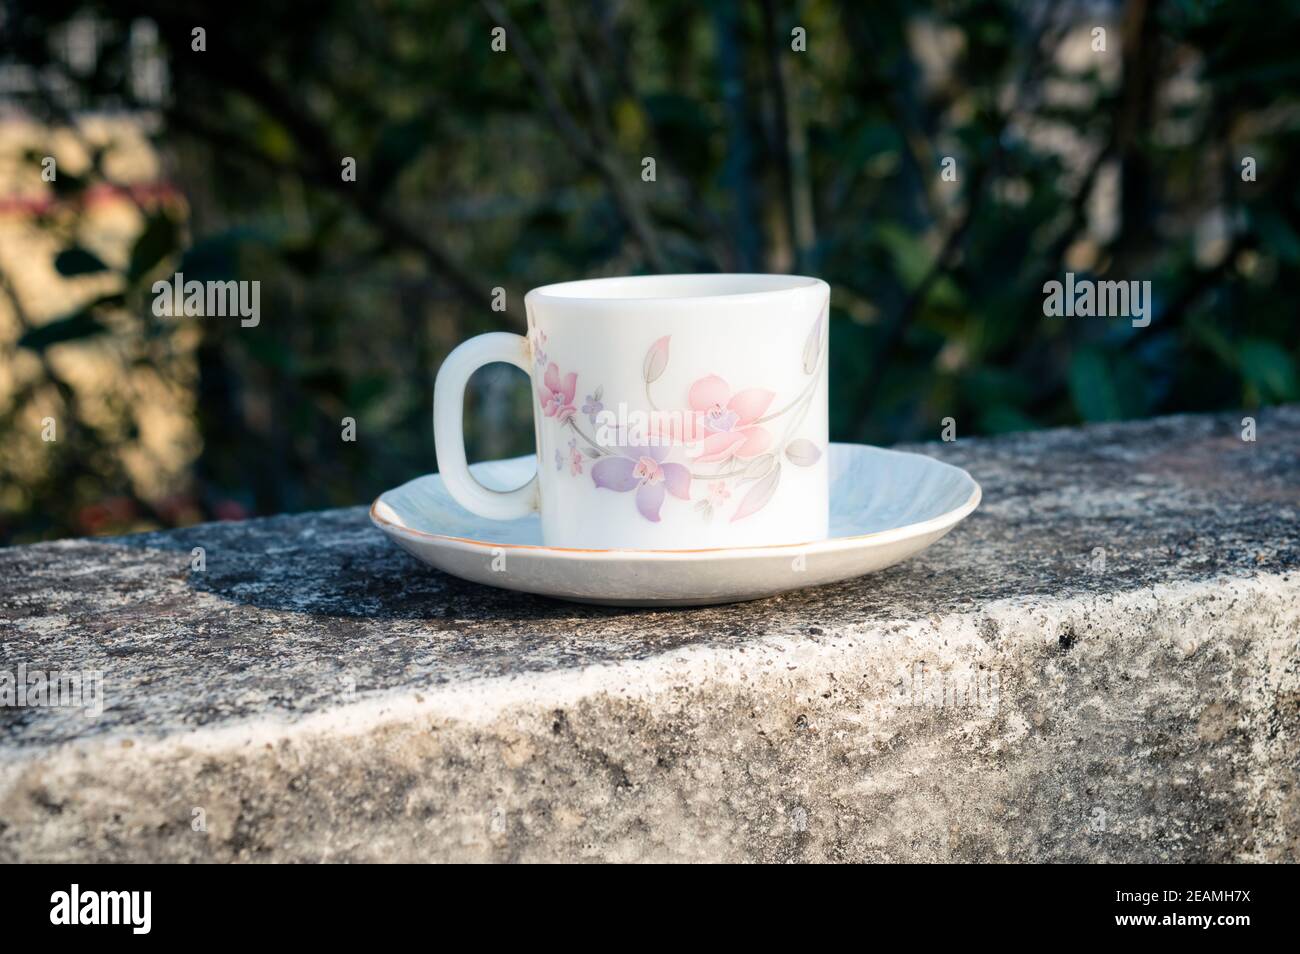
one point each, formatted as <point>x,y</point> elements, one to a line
<point>656,359</point>
<point>812,349</point>
<point>759,467</point>
<point>758,495</point>
<point>803,452</point>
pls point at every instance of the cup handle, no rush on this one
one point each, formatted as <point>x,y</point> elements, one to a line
<point>449,436</point>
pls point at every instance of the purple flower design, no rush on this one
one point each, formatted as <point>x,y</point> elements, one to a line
<point>644,470</point>
<point>538,340</point>
<point>593,406</point>
<point>720,420</point>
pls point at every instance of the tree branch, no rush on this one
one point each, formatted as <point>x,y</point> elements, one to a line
<point>629,205</point>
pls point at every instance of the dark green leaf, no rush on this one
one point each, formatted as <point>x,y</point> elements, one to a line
<point>366,390</point>
<point>158,240</point>
<point>83,324</point>
<point>1092,385</point>
<point>67,186</point>
<point>1268,369</point>
<point>78,261</point>
<point>1278,236</point>
<point>398,144</point>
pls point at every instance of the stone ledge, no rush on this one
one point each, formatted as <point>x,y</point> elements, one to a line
<point>318,695</point>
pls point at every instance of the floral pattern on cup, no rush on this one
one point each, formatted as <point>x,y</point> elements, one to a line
<point>592,406</point>
<point>557,394</point>
<point>730,420</point>
<point>537,342</point>
<point>576,460</point>
<point>739,432</point>
<point>644,470</point>
<point>716,498</point>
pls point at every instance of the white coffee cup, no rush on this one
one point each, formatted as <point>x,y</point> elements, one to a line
<point>672,412</point>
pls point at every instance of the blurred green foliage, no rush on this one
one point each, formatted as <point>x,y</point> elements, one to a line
<point>478,168</point>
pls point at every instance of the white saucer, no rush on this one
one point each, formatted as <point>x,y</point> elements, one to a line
<point>885,506</point>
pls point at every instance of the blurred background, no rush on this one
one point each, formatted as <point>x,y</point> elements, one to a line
<point>1108,139</point>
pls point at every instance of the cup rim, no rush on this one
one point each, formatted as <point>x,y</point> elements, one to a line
<point>765,285</point>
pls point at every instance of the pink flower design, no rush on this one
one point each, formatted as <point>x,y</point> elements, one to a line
<point>557,395</point>
<point>727,419</point>
<point>718,493</point>
<point>644,470</point>
<point>575,458</point>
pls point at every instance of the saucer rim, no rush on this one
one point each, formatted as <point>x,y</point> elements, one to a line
<point>942,522</point>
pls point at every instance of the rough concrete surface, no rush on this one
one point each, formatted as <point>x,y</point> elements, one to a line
<point>316,694</point>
